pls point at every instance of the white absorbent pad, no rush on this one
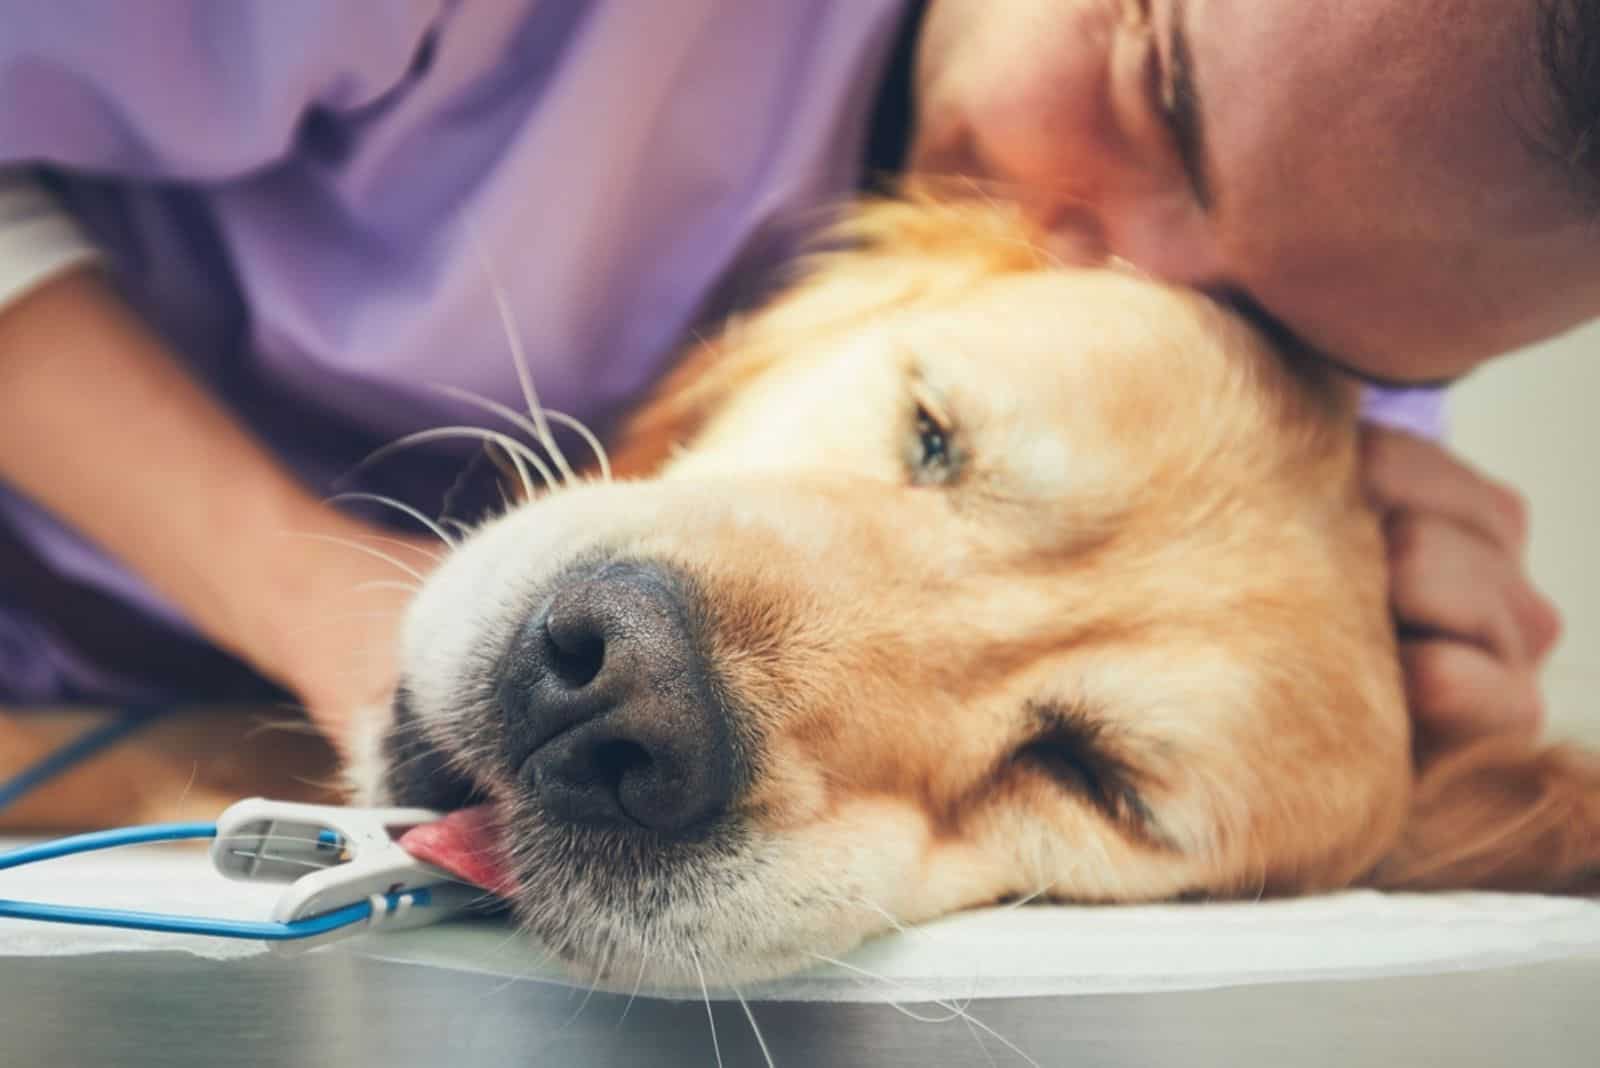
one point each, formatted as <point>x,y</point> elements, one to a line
<point>1035,950</point>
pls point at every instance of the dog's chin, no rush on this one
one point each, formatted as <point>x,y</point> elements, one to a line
<point>611,906</point>
<point>621,909</point>
<point>601,896</point>
<point>614,907</point>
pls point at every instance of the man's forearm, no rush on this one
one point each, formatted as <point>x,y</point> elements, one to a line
<point>100,425</point>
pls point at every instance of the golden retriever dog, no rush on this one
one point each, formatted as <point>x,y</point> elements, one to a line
<point>953,576</point>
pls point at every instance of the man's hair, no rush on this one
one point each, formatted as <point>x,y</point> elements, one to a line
<point>1569,58</point>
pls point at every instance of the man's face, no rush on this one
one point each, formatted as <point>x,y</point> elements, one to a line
<point>1368,173</point>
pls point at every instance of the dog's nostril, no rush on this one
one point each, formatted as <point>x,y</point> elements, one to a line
<point>615,760</point>
<point>576,654</point>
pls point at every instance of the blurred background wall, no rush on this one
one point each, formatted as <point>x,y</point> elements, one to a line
<point>1533,420</point>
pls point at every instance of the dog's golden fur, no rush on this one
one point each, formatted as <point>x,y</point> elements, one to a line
<point>1127,640</point>
<point>1208,538</point>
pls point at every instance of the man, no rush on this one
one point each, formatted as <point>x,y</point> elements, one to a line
<point>297,199</point>
<point>1408,189</point>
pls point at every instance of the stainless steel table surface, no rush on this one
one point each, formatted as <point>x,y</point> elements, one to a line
<point>335,1008</point>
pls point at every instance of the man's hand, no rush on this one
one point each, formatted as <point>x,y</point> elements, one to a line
<point>1474,633</point>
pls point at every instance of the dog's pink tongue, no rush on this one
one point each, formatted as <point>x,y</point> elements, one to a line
<point>464,844</point>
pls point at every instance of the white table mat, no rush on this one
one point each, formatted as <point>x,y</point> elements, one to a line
<point>1032,951</point>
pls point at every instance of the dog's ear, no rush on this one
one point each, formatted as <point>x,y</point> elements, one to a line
<point>1501,815</point>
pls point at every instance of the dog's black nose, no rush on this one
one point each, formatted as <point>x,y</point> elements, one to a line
<point>611,708</point>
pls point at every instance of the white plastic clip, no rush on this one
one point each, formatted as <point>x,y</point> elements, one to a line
<point>333,857</point>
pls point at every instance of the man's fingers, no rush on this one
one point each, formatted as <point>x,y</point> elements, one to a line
<point>1474,631</point>
<point>1406,473</point>
<point>1450,581</point>
<point>1457,691</point>
<point>1540,621</point>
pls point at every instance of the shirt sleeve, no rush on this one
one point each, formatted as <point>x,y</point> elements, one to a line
<point>38,239</point>
<point>192,90</point>
<point>1417,411</point>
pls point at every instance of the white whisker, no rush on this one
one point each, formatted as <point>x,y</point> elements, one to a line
<point>979,1040</point>
<point>973,1021</point>
<point>504,411</point>
<point>589,439</point>
<point>860,901</point>
<point>956,1011</point>
<point>194,773</point>
<point>519,356</point>
<point>518,451</point>
<point>380,584</point>
<point>710,1016</point>
<point>522,475</point>
<point>638,982</point>
<point>401,543</point>
<point>588,994</point>
<point>523,423</point>
<point>463,529</point>
<point>1031,898</point>
<point>358,547</point>
<point>533,969</point>
<point>748,1015</point>
<point>399,506</point>
<point>334,619</point>
<point>952,1012</point>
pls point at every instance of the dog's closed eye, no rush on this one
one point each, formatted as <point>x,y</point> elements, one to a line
<point>1070,748</point>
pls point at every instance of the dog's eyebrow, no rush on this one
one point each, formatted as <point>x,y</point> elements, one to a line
<point>1186,114</point>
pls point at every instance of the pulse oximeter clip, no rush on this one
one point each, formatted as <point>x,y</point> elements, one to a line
<point>345,870</point>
